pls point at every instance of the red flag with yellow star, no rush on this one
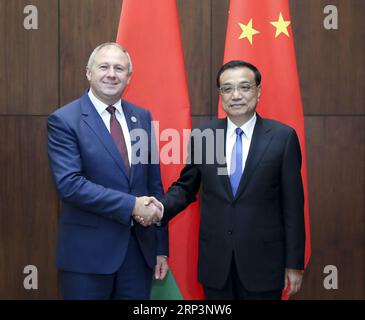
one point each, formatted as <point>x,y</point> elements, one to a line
<point>260,32</point>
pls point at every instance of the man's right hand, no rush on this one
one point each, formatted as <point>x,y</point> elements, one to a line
<point>153,200</point>
<point>145,212</point>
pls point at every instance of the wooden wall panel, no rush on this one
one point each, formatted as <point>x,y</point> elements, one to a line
<point>336,179</point>
<point>84,24</point>
<point>28,206</point>
<point>331,63</point>
<point>28,59</point>
<point>195,26</point>
<point>197,121</point>
<point>219,26</point>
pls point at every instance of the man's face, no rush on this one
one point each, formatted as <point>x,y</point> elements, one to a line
<point>109,74</point>
<point>239,93</point>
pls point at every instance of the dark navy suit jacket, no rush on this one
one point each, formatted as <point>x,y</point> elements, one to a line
<point>97,195</point>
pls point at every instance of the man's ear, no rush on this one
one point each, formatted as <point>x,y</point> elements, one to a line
<point>88,74</point>
<point>129,78</point>
<point>259,91</point>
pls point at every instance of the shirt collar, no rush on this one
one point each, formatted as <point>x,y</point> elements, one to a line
<point>101,106</point>
<point>247,127</point>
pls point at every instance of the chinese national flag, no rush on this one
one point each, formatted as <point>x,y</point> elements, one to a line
<point>260,32</point>
<point>150,32</point>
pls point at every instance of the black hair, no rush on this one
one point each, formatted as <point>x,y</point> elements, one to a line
<point>239,64</point>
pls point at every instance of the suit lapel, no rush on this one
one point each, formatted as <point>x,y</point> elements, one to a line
<point>223,176</point>
<point>133,122</point>
<point>260,141</point>
<point>96,124</point>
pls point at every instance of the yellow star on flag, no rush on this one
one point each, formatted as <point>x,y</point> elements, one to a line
<point>247,31</point>
<point>281,26</point>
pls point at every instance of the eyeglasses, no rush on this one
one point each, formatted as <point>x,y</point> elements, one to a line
<point>242,88</point>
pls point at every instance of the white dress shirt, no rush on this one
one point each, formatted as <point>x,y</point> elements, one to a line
<point>247,129</point>
<point>119,113</point>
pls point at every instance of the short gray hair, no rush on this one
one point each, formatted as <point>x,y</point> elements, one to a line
<point>107,44</point>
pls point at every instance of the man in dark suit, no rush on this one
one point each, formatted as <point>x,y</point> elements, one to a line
<point>252,237</point>
<point>102,252</point>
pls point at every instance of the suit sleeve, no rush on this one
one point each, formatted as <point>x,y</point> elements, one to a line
<point>183,191</point>
<point>293,204</point>
<point>72,186</point>
<point>155,189</point>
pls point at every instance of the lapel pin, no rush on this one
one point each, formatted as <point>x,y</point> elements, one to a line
<point>133,119</point>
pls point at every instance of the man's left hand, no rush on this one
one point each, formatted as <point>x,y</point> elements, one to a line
<point>293,278</point>
<point>161,268</point>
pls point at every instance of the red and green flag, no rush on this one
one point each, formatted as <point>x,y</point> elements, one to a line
<point>260,32</point>
<point>150,32</point>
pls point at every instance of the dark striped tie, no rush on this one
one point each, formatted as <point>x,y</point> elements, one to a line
<point>118,137</point>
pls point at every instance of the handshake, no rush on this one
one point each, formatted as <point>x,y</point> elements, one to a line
<point>147,211</point>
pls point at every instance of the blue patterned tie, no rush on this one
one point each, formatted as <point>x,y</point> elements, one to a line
<point>236,162</point>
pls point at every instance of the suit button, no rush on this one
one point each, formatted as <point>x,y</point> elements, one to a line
<point>230,232</point>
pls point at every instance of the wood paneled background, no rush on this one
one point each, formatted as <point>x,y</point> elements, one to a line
<point>43,69</point>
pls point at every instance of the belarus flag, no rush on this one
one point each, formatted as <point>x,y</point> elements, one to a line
<point>149,30</point>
